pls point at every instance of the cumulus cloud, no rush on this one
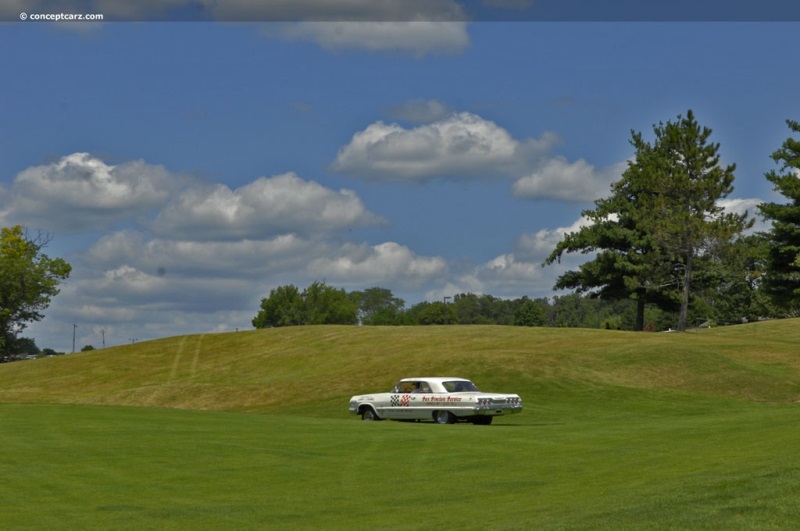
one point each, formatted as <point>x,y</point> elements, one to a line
<point>418,38</point>
<point>81,192</point>
<point>750,206</point>
<point>569,181</point>
<point>132,287</point>
<point>175,258</point>
<point>503,276</point>
<point>538,246</point>
<point>509,272</point>
<point>265,207</point>
<point>418,27</point>
<point>520,272</point>
<point>386,262</point>
<point>463,146</point>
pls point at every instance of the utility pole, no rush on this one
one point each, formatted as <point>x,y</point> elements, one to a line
<point>74,327</point>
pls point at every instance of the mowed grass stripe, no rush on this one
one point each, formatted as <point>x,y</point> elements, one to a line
<point>132,468</point>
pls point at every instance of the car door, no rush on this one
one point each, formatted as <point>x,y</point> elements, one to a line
<point>399,402</point>
<point>408,401</point>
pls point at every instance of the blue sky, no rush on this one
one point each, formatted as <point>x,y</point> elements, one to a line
<point>185,169</point>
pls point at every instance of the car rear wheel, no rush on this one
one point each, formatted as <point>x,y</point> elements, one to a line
<point>369,414</point>
<point>444,417</point>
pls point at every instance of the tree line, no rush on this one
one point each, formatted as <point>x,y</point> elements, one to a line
<point>379,307</point>
<point>666,255</point>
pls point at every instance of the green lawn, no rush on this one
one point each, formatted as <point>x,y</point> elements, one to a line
<point>620,431</point>
<point>676,464</point>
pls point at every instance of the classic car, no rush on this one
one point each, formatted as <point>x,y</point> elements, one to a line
<point>443,400</point>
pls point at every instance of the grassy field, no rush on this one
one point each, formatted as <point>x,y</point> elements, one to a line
<point>251,431</point>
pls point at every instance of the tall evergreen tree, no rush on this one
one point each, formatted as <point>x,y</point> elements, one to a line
<point>681,213</point>
<point>782,281</point>
<point>661,215</point>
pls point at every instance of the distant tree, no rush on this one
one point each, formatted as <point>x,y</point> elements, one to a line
<point>378,306</point>
<point>325,304</point>
<point>29,279</point>
<point>283,307</point>
<point>87,348</point>
<point>22,346</point>
<point>782,280</point>
<point>438,313</point>
<point>318,304</point>
<point>529,313</point>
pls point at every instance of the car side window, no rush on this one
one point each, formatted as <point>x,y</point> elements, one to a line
<point>422,387</point>
<point>405,387</point>
<point>460,386</point>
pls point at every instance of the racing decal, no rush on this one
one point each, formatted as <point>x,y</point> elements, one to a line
<point>441,399</point>
<point>400,400</point>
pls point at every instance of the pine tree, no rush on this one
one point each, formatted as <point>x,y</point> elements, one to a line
<point>782,281</point>
<point>662,214</point>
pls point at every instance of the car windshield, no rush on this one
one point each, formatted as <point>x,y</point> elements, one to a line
<point>460,386</point>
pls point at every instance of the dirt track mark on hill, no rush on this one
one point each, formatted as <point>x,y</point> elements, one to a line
<point>174,372</point>
<point>196,358</point>
<point>176,362</point>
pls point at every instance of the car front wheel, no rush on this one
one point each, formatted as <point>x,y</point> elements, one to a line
<point>444,417</point>
<point>369,414</point>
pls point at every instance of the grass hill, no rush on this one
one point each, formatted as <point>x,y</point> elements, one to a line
<point>620,430</point>
<point>313,370</point>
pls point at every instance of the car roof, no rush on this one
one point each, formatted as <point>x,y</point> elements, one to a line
<point>435,379</point>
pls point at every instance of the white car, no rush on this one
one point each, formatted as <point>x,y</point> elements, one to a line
<point>443,400</point>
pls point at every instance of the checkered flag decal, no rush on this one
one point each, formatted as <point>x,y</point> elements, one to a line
<point>400,400</point>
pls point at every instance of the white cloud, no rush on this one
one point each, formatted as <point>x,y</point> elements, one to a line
<point>463,146</point>
<point>507,271</point>
<point>418,38</point>
<point>384,263</point>
<point>749,205</point>
<point>81,192</point>
<point>267,206</point>
<point>503,276</point>
<point>538,246</point>
<point>243,259</point>
<point>739,205</point>
<point>568,181</point>
<point>518,273</point>
<point>417,27</point>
